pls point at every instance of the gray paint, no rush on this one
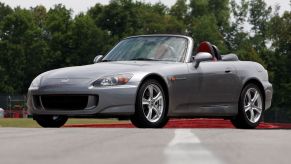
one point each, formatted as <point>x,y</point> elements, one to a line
<point>212,89</point>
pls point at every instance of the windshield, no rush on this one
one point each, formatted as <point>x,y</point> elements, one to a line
<point>152,48</point>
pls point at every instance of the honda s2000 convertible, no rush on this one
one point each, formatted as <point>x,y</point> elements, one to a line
<point>150,79</point>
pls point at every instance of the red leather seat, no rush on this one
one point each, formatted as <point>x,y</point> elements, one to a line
<point>206,47</point>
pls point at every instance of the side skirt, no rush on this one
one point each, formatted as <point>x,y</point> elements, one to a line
<point>205,111</point>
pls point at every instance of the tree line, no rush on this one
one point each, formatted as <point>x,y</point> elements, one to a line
<point>36,40</point>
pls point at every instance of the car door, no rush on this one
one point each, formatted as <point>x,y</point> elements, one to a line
<point>217,85</point>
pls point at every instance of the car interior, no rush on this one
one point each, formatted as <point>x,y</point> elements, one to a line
<point>214,51</point>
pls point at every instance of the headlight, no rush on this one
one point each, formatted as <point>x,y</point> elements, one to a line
<point>113,80</point>
<point>35,83</point>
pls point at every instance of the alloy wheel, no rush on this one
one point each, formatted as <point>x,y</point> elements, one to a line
<point>153,103</point>
<point>253,105</point>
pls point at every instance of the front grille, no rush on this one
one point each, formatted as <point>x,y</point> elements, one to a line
<point>36,101</point>
<point>64,102</point>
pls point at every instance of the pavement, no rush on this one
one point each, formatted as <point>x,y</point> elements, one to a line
<point>144,146</point>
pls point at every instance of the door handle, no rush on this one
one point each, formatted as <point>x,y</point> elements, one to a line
<point>227,70</point>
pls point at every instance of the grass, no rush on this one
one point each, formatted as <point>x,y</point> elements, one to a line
<point>30,123</point>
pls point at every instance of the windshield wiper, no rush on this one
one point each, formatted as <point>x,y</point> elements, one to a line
<point>144,59</point>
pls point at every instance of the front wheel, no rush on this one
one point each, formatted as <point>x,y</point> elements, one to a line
<point>151,106</point>
<point>48,121</point>
<point>251,108</point>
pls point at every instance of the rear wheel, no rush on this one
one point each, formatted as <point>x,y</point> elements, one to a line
<point>251,108</point>
<point>48,121</point>
<point>151,106</point>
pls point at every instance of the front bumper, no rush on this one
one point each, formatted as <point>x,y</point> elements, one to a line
<point>112,101</point>
<point>268,94</point>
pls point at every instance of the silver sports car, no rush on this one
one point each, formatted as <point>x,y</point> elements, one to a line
<point>150,79</point>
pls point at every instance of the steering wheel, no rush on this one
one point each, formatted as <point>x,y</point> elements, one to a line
<point>170,53</point>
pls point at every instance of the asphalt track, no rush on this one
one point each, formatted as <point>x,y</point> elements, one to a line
<point>144,146</point>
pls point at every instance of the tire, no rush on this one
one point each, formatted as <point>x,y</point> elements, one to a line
<point>250,109</point>
<point>151,106</point>
<point>48,121</point>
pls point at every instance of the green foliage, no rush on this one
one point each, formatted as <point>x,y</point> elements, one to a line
<point>280,63</point>
<point>180,10</point>
<point>221,11</point>
<point>235,32</point>
<point>18,40</point>
<point>4,10</point>
<point>86,40</point>
<point>35,40</point>
<point>209,20</point>
<point>204,28</point>
<point>248,52</point>
<point>199,8</point>
<point>259,15</point>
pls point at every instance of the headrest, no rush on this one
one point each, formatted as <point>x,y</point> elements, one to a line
<point>216,52</point>
<point>206,47</point>
<point>230,57</point>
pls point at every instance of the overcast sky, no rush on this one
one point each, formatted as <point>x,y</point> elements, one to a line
<point>83,5</point>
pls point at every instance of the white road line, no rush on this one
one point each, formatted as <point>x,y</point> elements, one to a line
<point>186,148</point>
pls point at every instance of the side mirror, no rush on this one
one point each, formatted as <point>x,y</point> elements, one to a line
<point>202,56</point>
<point>97,59</point>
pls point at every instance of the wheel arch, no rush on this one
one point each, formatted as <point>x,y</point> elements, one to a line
<point>161,80</point>
<point>258,83</point>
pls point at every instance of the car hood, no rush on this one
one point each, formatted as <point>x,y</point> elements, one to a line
<point>94,71</point>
